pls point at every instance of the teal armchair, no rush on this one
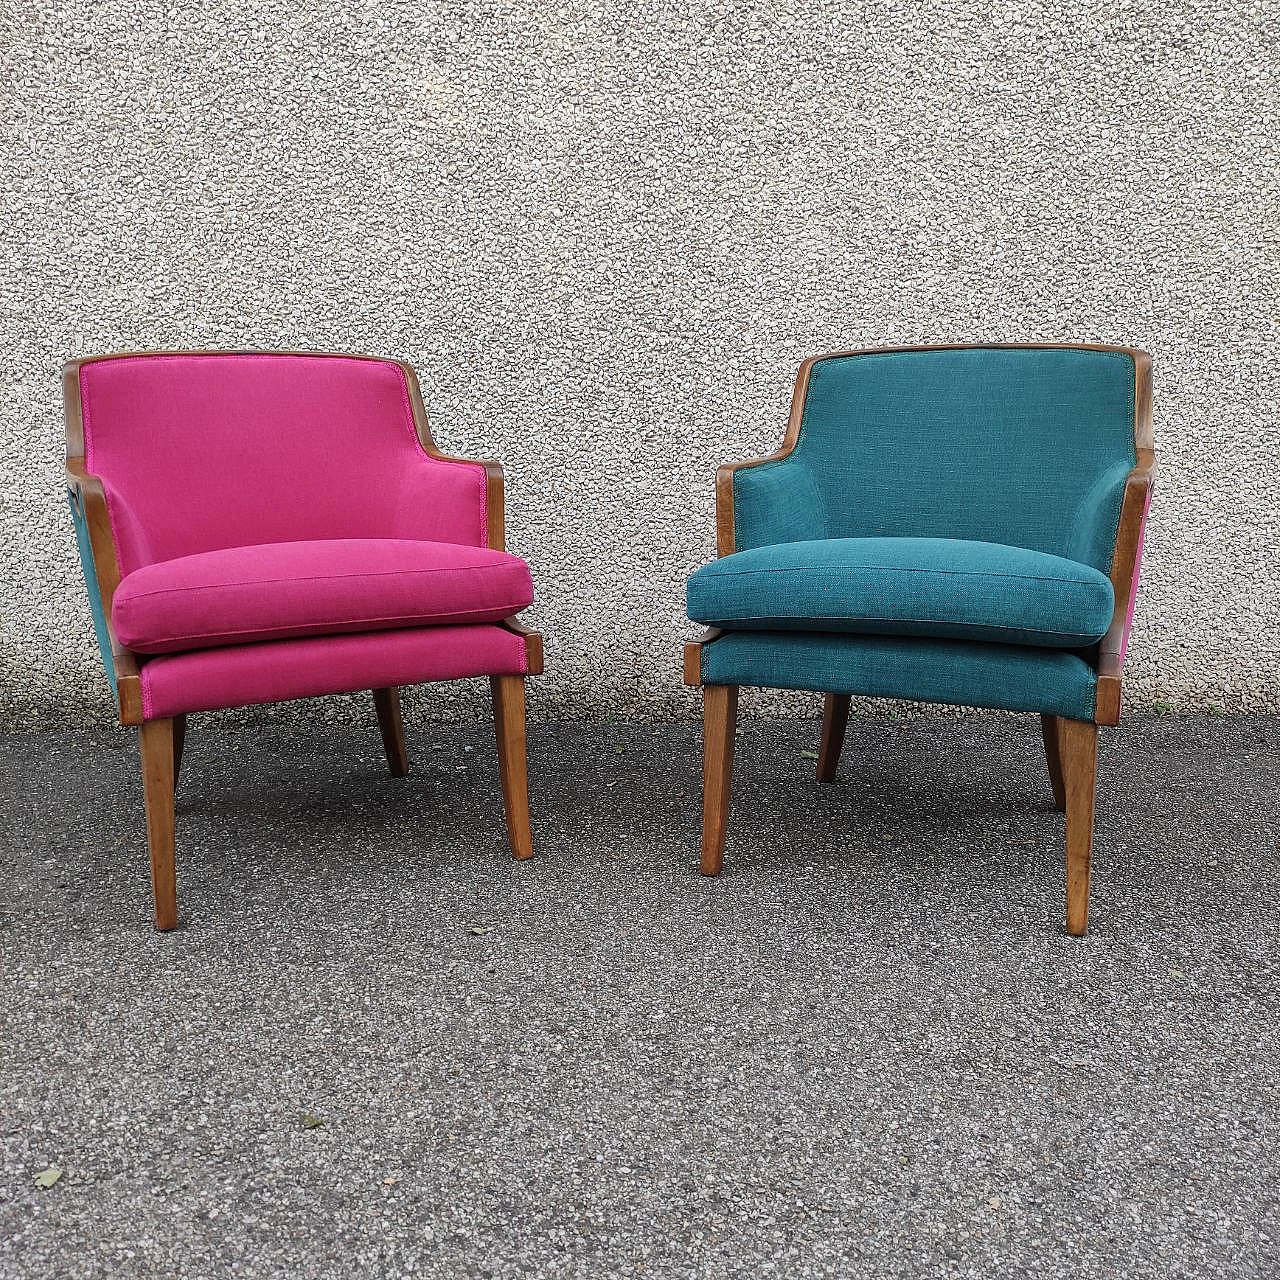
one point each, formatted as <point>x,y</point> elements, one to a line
<point>941,524</point>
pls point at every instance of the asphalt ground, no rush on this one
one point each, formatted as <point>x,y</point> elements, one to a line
<point>377,1046</point>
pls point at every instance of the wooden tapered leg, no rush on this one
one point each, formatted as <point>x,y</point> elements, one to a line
<point>179,739</point>
<point>156,745</point>
<point>835,719</point>
<point>387,701</point>
<point>1078,751</point>
<point>1053,758</point>
<point>509,725</point>
<point>719,722</point>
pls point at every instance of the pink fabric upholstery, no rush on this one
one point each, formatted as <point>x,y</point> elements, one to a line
<point>325,587</point>
<point>200,453</point>
<point>244,675</point>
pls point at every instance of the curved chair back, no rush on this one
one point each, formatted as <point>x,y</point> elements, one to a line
<point>203,451</point>
<point>1025,446</point>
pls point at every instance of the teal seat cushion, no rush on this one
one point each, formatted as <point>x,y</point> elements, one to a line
<point>963,673</point>
<point>939,587</point>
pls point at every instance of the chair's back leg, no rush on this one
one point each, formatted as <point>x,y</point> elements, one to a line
<point>1078,748</point>
<point>391,726</point>
<point>719,724</point>
<point>509,727</point>
<point>156,747</point>
<point>835,719</point>
<point>1053,758</point>
<point>179,741</point>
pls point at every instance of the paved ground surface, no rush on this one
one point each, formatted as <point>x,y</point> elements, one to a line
<point>868,1050</point>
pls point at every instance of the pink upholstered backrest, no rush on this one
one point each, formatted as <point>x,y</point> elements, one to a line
<point>202,452</point>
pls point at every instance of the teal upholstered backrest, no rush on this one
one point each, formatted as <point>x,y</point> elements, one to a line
<point>1024,446</point>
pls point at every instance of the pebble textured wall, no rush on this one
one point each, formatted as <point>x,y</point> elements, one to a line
<point>607,233</point>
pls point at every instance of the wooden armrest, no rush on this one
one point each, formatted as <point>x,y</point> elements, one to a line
<point>533,649</point>
<point>693,654</point>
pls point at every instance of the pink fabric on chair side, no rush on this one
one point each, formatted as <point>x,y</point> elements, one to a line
<point>279,670</point>
<point>213,451</point>
<point>325,587</point>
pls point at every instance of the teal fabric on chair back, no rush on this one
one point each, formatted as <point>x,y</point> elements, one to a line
<point>96,611</point>
<point>1028,447</point>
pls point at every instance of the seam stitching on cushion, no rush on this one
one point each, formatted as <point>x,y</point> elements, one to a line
<point>318,577</point>
<point>888,568</point>
<point>308,628</point>
<point>950,622</point>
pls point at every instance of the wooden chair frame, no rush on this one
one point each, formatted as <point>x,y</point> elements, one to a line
<point>1071,746</point>
<point>161,741</point>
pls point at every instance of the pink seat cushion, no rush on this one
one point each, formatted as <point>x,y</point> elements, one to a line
<point>295,589</point>
<point>248,674</point>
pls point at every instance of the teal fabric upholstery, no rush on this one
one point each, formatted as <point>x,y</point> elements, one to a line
<point>777,502</point>
<point>85,548</point>
<point>942,531</point>
<point>962,672</point>
<point>907,586</point>
<point>1023,447</point>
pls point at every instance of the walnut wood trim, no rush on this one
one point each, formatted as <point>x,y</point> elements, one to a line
<point>693,655</point>
<point>386,703</point>
<point>1078,747</point>
<point>719,725</point>
<point>1138,488</point>
<point>835,723</point>
<point>510,729</point>
<point>726,538</point>
<point>534,650</point>
<point>156,749</point>
<point>73,409</point>
<point>1051,732</point>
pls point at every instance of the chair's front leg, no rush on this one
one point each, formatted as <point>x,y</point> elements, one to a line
<point>509,725</point>
<point>156,747</point>
<point>1078,750</point>
<point>835,719</point>
<point>719,722</point>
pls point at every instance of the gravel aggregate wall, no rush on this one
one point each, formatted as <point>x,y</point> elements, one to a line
<point>606,234</point>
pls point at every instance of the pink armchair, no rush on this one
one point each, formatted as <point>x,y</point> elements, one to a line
<point>256,527</point>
